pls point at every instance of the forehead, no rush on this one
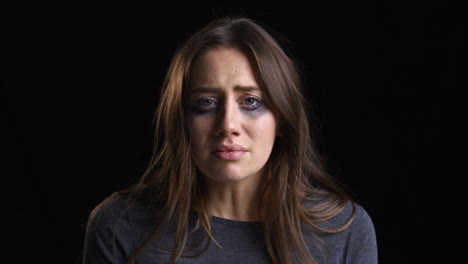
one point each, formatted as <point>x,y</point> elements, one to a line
<point>223,67</point>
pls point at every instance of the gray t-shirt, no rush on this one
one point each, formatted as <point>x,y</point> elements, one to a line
<point>118,229</point>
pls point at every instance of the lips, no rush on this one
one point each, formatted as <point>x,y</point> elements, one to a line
<point>229,152</point>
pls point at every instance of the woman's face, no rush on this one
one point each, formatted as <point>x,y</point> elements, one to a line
<point>231,129</point>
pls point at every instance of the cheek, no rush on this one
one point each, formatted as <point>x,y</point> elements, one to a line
<point>266,125</point>
<point>264,131</point>
<point>198,129</point>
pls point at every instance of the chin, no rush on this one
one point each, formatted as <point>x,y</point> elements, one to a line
<point>227,178</point>
<point>221,176</point>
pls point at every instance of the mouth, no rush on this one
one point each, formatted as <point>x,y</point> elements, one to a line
<point>231,152</point>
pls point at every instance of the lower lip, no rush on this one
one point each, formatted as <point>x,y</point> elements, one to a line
<point>229,155</point>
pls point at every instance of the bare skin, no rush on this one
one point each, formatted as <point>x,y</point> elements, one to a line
<point>232,132</point>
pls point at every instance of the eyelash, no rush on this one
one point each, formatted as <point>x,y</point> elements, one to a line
<point>200,108</point>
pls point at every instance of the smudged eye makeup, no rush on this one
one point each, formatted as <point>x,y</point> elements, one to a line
<point>204,104</point>
<point>208,104</point>
<point>252,103</point>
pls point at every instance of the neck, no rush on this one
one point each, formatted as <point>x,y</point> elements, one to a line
<point>235,200</point>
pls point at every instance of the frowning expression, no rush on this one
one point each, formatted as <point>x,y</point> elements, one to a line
<point>232,130</point>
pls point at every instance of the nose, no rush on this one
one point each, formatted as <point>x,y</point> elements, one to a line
<point>228,121</point>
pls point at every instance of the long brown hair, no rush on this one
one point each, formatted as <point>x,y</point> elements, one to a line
<point>304,193</point>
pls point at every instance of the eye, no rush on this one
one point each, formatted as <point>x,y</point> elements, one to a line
<point>204,102</point>
<point>251,103</point>
<point>204,105</point>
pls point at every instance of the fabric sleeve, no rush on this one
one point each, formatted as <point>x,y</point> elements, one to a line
<point>363,244</point>
<point>108,237</point>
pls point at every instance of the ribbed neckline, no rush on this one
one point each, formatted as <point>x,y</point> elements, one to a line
<point>236,223</point>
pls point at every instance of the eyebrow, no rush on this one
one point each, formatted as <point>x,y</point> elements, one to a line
<point>215,90</point>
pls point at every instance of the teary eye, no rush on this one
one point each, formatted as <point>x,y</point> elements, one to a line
<point>204,105</point>
<point>249,101</point>
<point>204,102</point>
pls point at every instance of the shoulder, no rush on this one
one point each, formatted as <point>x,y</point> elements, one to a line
<point>360,239</point>
<point>349,236</point>
<point>113,227</point>
<point>119,209</point>
<point>339,212</point>
<point>109,208</point>
<point>352,215</point>
<point>361,220</point>
<point>362,243</point>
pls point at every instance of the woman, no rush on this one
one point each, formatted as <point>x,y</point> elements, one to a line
<point>234,177</point>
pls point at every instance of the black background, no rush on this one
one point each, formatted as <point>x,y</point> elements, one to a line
<point>82,80</point>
